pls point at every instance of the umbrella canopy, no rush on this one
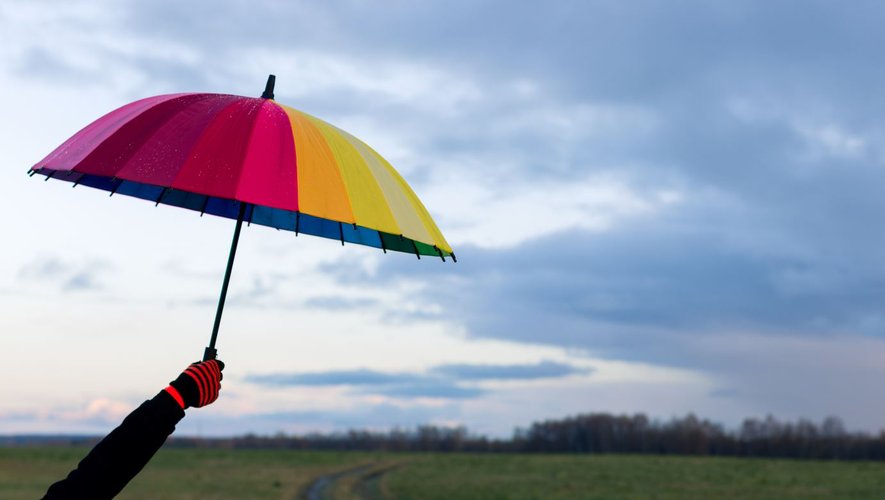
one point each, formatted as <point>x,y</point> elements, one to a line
<point>253,160</point>
<point>214,152</point>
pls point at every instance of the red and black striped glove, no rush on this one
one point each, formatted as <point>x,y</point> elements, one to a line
<point>198,385</point>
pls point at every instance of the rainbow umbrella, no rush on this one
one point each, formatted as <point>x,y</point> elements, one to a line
<point>249,159</point>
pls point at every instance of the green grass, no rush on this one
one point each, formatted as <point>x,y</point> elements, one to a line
<point>25,473</point>
<point>627,476</point>
<point>244,474</point>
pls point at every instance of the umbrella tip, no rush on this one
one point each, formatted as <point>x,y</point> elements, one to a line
<point>268,89</point>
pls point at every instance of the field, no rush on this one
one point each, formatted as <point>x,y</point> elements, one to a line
<point>243,474</point>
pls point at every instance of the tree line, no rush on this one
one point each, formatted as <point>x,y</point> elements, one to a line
<point>690,435</point>
<point>599,433</point>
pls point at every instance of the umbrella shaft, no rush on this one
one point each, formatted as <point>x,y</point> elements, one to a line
<point>210,351</point>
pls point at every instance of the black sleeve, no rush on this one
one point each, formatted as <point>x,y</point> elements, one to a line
<point>123,453</point>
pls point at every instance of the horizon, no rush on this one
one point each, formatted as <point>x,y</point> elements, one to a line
<point>517,432</point>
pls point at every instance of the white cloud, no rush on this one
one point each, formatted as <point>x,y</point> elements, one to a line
<point>95,416</point>
<point>67,276</point>
<point>822,138</point>
<point>483,216</point>
<point>102,409</point>
<point>831,140</point>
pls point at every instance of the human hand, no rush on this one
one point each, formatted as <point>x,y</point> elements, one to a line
<point>198,384</point>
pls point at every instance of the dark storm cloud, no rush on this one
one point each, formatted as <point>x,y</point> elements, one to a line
<point>398,385</point>
<point>644,292</point>
<point>442,381</point>
<point>345,377</point>
<point>546,369</point>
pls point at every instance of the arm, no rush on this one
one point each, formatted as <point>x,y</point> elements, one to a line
<point>122,454</point>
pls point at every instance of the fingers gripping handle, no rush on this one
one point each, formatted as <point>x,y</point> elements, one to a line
<point>210,353</point>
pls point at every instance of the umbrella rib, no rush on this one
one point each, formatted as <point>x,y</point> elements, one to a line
<point>415,246</point>
<point>341,233</point>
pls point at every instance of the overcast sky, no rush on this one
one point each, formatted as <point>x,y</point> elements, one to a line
<point>664,207</point>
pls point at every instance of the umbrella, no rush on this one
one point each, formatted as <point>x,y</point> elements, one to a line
<point>253,160</point>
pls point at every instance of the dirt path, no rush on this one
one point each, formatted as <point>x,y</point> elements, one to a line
<point>362,482</point>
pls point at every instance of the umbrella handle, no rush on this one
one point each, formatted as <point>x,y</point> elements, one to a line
<point>210,351</point>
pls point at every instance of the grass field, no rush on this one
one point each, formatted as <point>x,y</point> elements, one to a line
<point>244,474</point>
<point>181,474</point>
<point>630,476</point>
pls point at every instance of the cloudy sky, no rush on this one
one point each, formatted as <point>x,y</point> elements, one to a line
<point>664,207</point>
